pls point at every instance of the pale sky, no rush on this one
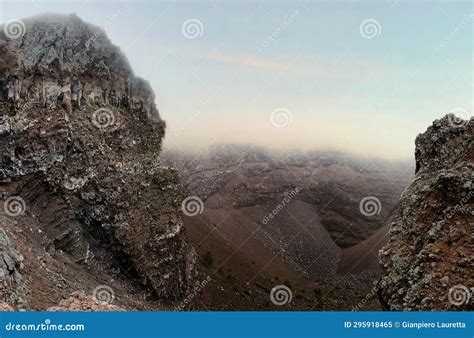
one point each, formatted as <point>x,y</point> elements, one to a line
<point>363,77</point>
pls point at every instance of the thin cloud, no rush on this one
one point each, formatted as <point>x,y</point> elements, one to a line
<point>298,65</point>
<point>288,66</point>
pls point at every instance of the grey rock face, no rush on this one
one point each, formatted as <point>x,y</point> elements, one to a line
<point>11,262</point>
<point>428,262</point>
<point>80,137</point>
<point>62,61</point>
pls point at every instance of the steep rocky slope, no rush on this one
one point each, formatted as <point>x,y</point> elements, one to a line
<point>86,200</point>
<point>428,262</point>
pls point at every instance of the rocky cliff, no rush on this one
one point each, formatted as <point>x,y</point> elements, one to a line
<point>428,262</point>
<point>80,172</point>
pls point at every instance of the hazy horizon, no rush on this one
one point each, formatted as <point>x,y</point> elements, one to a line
<point>364,78</point>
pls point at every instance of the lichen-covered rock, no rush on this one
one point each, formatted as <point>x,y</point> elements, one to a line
<point>428,262</point>
<point>79,142</point>
<point>11,262</point>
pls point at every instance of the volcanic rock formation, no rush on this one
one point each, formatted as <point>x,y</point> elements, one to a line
<point>81,302</point>
<point>428,262</point>
<point>11,262</point>
<point>80,173</point>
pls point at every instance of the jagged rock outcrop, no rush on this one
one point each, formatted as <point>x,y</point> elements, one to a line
<point>81,302</point>
<point>80,137</point>
<point>428,262</point>
<point>78,301</point>
<point>11,262</point>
